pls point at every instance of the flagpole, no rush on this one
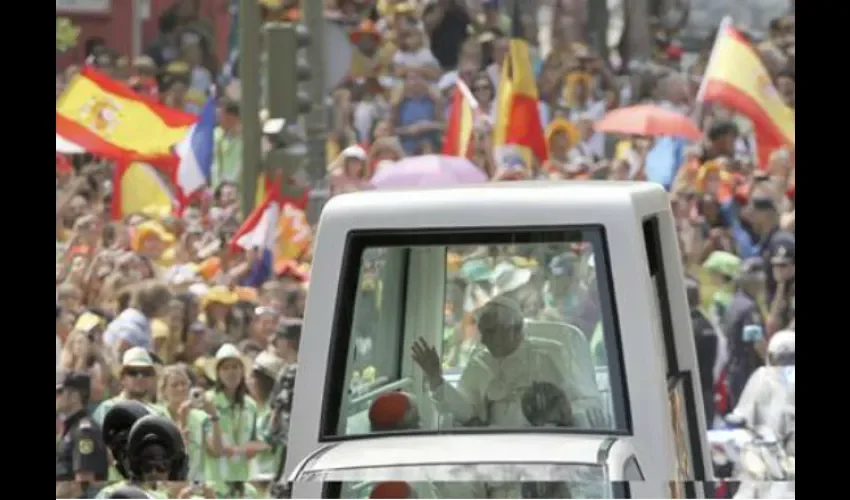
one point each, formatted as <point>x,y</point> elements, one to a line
<point>467,94</point>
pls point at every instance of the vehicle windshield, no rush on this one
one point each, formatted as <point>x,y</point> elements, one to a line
<point>503,480</point>
<point>502,331</point>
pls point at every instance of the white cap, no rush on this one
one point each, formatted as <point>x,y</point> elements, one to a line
<point>354,152</point>
<point>137,357</point>
<point>782,342</point>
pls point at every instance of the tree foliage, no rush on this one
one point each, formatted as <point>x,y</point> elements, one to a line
<point>66,34</point>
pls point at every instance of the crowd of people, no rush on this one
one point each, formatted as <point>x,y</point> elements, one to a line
<point>164,310</point>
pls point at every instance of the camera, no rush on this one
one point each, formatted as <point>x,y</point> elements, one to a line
<point>196,397</point>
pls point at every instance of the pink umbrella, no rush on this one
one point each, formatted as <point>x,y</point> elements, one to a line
<point>648,120</point>
<point>428,171</point>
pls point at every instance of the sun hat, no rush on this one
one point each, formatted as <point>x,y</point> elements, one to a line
<point>476,270</point>
<point>220,294</point>
<point>507,278</point>
<point>268,364</point>
<point>225,352</point>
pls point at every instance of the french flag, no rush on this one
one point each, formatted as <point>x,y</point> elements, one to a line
<point>196,152</point>
<point>259,233</point>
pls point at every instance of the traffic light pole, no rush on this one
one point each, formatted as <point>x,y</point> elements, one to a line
<point>317,117</point>
<point>249,77</point>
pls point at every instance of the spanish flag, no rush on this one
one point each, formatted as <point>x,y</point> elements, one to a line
<point>109,119</point>
<point>139,188</point>
<point>458,135</point>
<point>736,78</point>
<point>518,121</point>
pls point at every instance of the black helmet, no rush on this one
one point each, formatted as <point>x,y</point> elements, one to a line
<point>129,492</point>
<point>154,435</point>
<point>116,429</point>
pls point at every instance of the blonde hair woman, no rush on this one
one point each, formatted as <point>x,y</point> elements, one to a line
<point>196,416</point>
<point>80,354</point>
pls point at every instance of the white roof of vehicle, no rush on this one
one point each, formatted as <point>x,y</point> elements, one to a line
<point>458,449</point>
<point>550,202</point>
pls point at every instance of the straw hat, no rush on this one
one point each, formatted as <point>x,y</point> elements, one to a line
<point>225,352</point>
<point>146,230</point>
<point>268,364</point>
<point>221,294</point>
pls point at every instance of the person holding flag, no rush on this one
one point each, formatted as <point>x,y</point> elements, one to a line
<point>519,141</point>
<point>737,78</point>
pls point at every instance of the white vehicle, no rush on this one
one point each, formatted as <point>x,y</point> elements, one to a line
<point>384,269</point>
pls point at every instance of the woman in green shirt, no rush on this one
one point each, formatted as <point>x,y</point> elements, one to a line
<point>238,418</point>
<point>196,416</point>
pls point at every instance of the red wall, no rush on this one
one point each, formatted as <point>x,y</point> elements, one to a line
<point>116,27</point>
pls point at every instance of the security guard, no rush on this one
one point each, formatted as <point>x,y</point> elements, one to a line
<point>744,327</point>
<point>81,459</point>
<point>764,217</point>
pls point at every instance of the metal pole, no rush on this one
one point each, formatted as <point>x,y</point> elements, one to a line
<point>317,123</point>
<point>136,28</point>
<point>249,77</point>
<point>281,71</point>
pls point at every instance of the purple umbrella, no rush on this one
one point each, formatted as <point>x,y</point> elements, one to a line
<point>428,171</point>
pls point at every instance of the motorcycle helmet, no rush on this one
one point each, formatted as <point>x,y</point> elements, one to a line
<point>156,442</point>
<point>116,429</point>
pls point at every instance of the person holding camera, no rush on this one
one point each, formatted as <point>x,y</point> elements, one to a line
<point>81,459</point>
<point>196,417</point>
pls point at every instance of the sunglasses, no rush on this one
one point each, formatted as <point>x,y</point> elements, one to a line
<point>138,372</point>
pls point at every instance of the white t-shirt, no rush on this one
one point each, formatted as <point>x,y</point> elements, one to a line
<point>58,350</point>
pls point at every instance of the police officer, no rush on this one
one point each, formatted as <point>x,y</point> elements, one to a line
<point>81,459</point>
<point>744,327</point>
<point>783,270</point>
<point>764,219</point>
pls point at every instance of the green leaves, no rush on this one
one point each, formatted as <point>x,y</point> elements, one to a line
<point>66,34</point>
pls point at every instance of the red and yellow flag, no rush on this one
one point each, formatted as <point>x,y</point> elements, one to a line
<point>518,126</point>
<point>109,119</point>
<point>737,78</point>
<point>458,136</point>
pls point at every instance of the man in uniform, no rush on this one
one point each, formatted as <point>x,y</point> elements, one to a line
<point>783,269</point>
<point>81,459</point>
<point>744,327</point>
<point>764,218</point>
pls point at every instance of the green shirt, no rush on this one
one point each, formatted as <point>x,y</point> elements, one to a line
<point>264,465</point>
<point>227,158</point>
<point>238,427</point>
<point>226,491</point>
<point>199,427</point>
<point>108,490</point>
